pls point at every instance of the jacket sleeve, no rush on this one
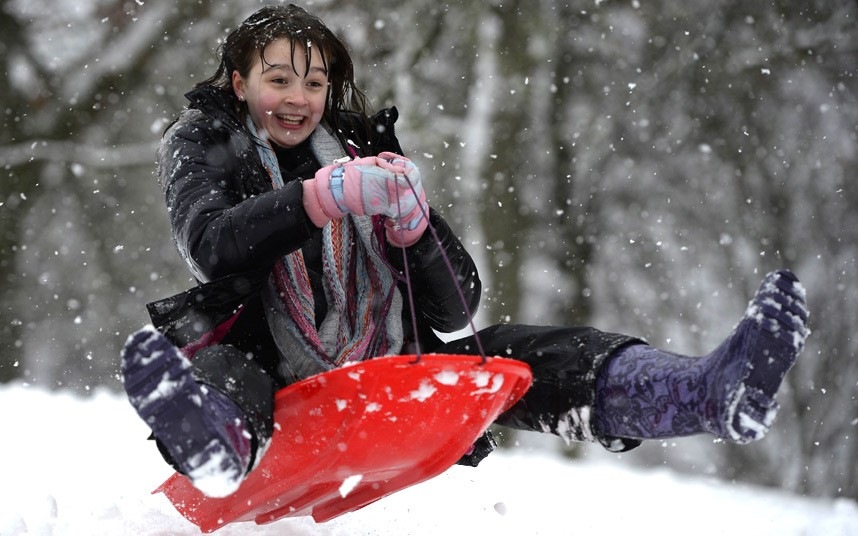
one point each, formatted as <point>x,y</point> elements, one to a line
<point>435,294</point>
<point>435,288</point>
<point>216,231</point>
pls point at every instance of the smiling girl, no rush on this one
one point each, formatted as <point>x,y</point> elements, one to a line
<point>292,206</point>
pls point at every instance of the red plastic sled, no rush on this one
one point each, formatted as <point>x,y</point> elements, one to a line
<point>351,436</point>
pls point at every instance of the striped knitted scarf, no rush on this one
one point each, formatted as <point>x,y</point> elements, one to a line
<point>364,317</point>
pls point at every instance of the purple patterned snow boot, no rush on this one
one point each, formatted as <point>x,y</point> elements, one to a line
<point>202,429</point>
<point>646,393</point>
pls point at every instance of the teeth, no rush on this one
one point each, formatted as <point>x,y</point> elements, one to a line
<point>295,119</point>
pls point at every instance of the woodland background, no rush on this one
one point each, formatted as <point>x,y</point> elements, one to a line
<point>634,165</point>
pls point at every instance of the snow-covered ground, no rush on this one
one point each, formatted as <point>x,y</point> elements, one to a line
<point>73,466</point>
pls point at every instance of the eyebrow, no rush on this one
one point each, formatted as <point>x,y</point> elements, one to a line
<point>285,66</point>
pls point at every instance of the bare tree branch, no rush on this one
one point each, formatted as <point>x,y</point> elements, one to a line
<point>122,54</point>
<point>75,153</point>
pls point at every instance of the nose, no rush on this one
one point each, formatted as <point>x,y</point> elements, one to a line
<point>296,96</point>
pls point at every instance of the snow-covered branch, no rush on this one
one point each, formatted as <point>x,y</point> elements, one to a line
<point>122,53</point>
<point>135,154</point>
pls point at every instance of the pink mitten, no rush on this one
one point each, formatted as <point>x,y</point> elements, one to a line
<point>405,227</point>
<point>387,185</point>
<point>363,187</point>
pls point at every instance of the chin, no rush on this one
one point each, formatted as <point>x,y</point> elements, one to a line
<point>290,141</point>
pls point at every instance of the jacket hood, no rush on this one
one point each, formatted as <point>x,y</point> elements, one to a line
<point>217,103</point>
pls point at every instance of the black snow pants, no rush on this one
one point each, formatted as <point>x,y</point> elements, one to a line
<point>564,362</point>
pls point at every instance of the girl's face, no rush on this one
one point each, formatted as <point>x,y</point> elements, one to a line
<point>283,100</point>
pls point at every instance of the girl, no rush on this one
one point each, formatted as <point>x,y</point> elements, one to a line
<point>293,207</point>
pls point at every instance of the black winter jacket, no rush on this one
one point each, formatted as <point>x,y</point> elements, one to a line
<point>230,226</point>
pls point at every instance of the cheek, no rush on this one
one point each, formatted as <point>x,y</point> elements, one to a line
<point>317,104</point>
<point>317,110</point>
<point>265,103</point>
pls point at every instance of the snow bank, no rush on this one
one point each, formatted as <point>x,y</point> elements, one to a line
<point>75,466</point>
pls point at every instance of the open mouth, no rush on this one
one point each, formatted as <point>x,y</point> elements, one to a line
<point>291,120</point>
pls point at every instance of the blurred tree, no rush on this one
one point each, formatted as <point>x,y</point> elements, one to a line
<point>740,123</point>
<point>78,148</point>
<point>15,190</point>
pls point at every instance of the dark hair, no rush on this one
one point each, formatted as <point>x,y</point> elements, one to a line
<point>271,23</point>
